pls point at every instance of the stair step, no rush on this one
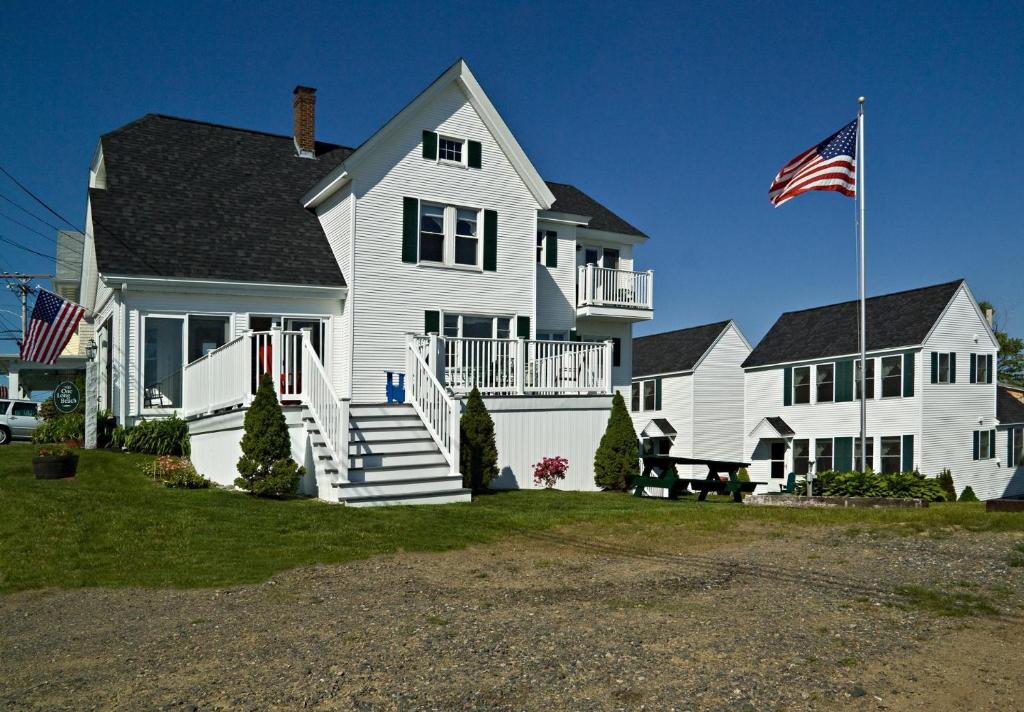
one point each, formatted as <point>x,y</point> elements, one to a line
<point>381,409</point>
<point>397,459</point>
<point>380,435</point>
<point>384,422</point>
<point>375,447</point>
<point>417,486</point>
<point>448,497</point>
<point>400,472</point>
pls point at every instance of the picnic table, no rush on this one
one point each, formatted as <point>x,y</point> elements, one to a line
<point>660,471</point>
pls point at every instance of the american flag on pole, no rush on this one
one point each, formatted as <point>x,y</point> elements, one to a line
<point>830,165</point>
<point>53,322</point>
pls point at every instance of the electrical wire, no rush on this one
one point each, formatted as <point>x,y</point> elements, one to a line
<point>38,199</point>
<point>30,213</point>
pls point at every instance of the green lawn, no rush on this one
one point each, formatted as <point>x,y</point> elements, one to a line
<point>110,526</point>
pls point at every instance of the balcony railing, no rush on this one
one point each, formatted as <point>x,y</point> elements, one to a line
<point>518,366</point>
<point>618,288</point>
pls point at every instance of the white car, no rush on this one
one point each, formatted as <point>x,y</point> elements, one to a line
<point>18,420</point>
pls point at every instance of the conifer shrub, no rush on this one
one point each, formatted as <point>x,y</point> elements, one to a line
<point>968,495</point>
<point>618,455</point>
<point>945,480</point>
<point>266,468</point>
<point>478,450</point>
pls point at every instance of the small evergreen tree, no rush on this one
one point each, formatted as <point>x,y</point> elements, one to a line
<point>968,495</point>
<point>478,451</point>
<point>618,455</point>
<point>266,468</point>
<point>945,479</point>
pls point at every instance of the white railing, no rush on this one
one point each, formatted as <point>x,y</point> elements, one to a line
<point>603,286</point>
<point>523,366</point>
<point>218,380</point>
<point>329,411</point>
<point>439,412</point>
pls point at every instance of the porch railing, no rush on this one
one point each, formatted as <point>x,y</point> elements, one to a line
<point>603,286</point>
<point>437,409</point>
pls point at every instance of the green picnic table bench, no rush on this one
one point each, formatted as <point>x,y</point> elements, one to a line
<point>660,471</point>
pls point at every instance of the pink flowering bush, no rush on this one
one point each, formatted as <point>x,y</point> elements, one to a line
<point>175,472</point>
<point>550,471</point>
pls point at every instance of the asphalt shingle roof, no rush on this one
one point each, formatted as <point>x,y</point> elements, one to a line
<point>674,351</point>
<point>195,200</point>
<point>572,200</point>
<point>1009,409</point>
<point>781,426</point>
<point>893,321</point>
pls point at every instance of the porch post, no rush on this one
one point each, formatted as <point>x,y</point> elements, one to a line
<point>609,345</point>
<point>300,362</point>
<point>591,296</point>
<point>437,357</point>
<point>275,358</point>
<point>410,365</point>
<point>650,289</point>
<point>520,366</point>
<point>250,359</point>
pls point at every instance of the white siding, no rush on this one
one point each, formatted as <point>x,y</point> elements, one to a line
<point>600,330</point>
<point>337,217</point>
<point>718,399</point>
<point>952,412</point>
<point>390,296</point>
<point>1010,479</point>
<point>556,286</point>
<point>677,408</point>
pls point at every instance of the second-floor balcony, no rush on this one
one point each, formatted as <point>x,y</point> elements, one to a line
<point>614,293</point>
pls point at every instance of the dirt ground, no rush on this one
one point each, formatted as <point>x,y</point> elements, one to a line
<point>570,619</point>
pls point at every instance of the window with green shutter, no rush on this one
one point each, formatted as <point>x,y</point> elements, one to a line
<point>410,228</point>
<point>843,455</point>
<point>523,327</point>
<point>908,453</point>
<point>430,145</point>
<point>787,386</point>
<point>908,375</point>
<point>844,381</point>
<point>431,322</point>
<point>475,154</point>
<point>490,241</point>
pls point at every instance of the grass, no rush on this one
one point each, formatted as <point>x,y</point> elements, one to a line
<point>111,526</point>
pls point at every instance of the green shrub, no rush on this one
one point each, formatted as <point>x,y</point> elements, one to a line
<point>478,450</point>
<point>118,436</point>
<point>872,484</point>
<point>175,472</point>
<point>266,468</point>
<point>968,495</point>
<point>945,479</point>
<point>618,455</point>
<point>167,436</point>
<point>61,429</point>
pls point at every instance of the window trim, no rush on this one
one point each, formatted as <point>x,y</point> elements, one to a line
<point>463,151</point>
<point>809,384</point>
<point>818,384</point>
<point>882,456</point>
<point>938,371</point>
<point>642,385</point>
<point>831,456</point>
<point>869,381</point>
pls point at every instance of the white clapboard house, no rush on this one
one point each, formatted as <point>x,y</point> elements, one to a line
<point>687,393</point>
<point>1010,434</point>
<point>432,255</point>
<point>930,386</point>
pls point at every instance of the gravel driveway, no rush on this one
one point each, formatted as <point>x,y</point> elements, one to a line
<point>573,619</point>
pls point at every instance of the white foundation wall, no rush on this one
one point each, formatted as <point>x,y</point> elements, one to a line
<point>530,429</point>
<point>217,445</point>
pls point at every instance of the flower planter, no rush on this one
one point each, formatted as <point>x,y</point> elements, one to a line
<point>54,467</point>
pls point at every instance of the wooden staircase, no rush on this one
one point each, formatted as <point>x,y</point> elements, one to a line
<point>392,460</point>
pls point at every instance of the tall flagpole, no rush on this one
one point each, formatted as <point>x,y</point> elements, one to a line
<point>863,303</point>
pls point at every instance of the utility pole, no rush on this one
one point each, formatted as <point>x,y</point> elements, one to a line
<point>19,282</point>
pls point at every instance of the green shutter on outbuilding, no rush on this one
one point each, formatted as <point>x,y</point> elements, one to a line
<point>490,240</point>
<point>843,455</point>
<point>657,394</point>
<point>908,453</point>
<point>430,145</point>
<point>523,327</point>
<point>410,228</point>
<point>431,322</point>
<point>787,385</point>
<point>935,366</point>
<point>551,248</point>
<point>908,375</point>
<point>1009,448</point>
<point>952,367</point>
<point>974,369</point>
<point>844,381</point>
<point>475,154</point>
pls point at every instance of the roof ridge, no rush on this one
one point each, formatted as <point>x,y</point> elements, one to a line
<point>723,324</point>
<point>213,124</point>
<point>877,296</point>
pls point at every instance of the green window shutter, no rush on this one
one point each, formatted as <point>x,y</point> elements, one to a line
<point>475,154</point>
<point>431,322</point>
<point>992,443</point>
<point>430,145</point>
<point>974,369</point>
<point>952,367</point>
<point>490,240</point>
<point>551,249</point>
<point>616,351</point>
<point>977,444</point>
<point>935,366</point>
<point>1009,449</point>
<point>843,455</point>
<point>657,394</point>
<point>908,375</point>
<point>908,453</point>
<point>787,385</point>
<point>410,228</point>
<point>844,381</point>
<point>573,336</point>
<point>523,327</point>
<point>989,370</point>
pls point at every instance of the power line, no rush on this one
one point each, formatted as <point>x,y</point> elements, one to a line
<point>30,229</point>
<point>30,213</point>
<point>27,249</point>
<point>38,199</point>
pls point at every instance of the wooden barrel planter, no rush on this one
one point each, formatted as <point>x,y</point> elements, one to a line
<point>54,467</point>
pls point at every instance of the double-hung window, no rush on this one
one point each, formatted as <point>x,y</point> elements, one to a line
<point>869,381</point>
<point>892,377</point>
<point>826,382</point>
<point>801,456</point>
<point>649,395</point>
<point>802,384</point>
<point>892,454</point>
<point>431,232</point>
<point>984,444</point>
<point>646,395</point>
<point>823,455</point>
<point>449,235</point>
<point>466,240</point>
<point>870,452</point>
<point>982,362</point>
<point>943,368</point>
<point>449,149</point>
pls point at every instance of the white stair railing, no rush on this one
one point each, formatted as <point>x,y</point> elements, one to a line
<point>330,413</point>
<point>218,380</point>
<point>439,412</point>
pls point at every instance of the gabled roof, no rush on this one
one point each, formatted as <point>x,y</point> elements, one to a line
<point>774,427</point>
<point>674,351</point>
<point>570,199</point>
<point>658,428</point>
<point>189,199</point>
<point>893,321</point>
<point>1009,404</point>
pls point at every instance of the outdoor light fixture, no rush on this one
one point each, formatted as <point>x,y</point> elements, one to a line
<point>90,350</point>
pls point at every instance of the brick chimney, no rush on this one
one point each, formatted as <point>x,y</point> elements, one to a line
<point>304,110</point>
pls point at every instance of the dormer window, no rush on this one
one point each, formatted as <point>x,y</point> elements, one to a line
<point>449,149</point>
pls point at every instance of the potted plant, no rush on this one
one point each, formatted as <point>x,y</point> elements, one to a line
<point>54,462</point>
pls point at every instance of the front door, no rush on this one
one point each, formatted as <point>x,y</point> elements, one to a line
<point>778,460</point>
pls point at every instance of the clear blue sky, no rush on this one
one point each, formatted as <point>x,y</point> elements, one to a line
<point>676,117</point>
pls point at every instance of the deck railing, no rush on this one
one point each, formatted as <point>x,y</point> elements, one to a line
<point>606,287</point>
<point>437,409</point>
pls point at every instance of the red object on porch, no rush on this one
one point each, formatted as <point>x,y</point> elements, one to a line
<point>265,364</point>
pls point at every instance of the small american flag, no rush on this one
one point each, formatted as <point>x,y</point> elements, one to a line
<point>53,322</point>
<point>830,165</point>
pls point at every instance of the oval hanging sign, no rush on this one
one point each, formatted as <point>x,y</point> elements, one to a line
<point>66,397</point>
